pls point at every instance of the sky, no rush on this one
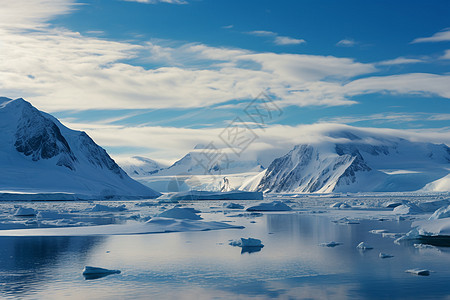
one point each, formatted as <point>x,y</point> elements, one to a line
<point>157,77</point>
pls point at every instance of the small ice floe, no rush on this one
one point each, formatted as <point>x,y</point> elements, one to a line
<point>378,231</point>
<point>233,205</point>
<point>249,245</point>
<point>340,205</point>
<point>330,244</point>
<point>421,272</point>
<point>95,272</point>
<point>407,209</point>
<point>364,246</point>
<point>392,235</point>
<point>271,206</point>
<point>392,204</point>
<point>143,204</point>
<point>25,212</point>
<point>345,221</point>
<point>105,208</point>
<point>243,242</point>
<point>424,246</point>
<point>384,255</point>
<point>180,213</point>
<point>441,213</point>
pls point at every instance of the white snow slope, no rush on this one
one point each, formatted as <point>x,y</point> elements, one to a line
<point>356,160</point>
<point>39,155</point>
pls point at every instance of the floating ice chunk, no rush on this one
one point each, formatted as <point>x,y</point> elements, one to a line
<point>378,231</point>
<point>272,206</point>
<point>340,205</point>
<point>424,246</point>
<point>392,204</point>
<point>180,213</point>
<point>345,221</point>
<point>25,212</point>
<point>407,209</point>
<point>421,272</point>
<point>101,207</point>
<point>141,204</point>
<point>392,235</point>
<point>330,244</point>
<point>233,206</point>
<point>441,213</point>
<point>363,246</point>
<point>95,272</point>
<point>250,242</point>
<point>384,255</point>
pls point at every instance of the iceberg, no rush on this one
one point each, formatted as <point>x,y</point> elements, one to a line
<point>363,246</point>
<point>249,242</point>
<point>272,206</point>
<point>95,272</point>
<point>330,244</point>
<point>25,212</point>
<point>233,206</point>
<point>421,272</point>
<point>180,213</point>
<point>441,213</point>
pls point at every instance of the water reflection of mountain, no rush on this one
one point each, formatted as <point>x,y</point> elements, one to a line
<point>26,263</point>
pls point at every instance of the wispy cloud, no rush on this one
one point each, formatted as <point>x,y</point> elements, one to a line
<point>383,118</point>
<point>58,69</point>
<point>346,43</point>
<point>228,26</point>
<point>446,54</point>
<point>171,143</point>
<point>277,39</point>
<point>261,33</point>
<point>400,61</point>
<point>159,1</point>
<point>442,36</point>
<point>285,40</point>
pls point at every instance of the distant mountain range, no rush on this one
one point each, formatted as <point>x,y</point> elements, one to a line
<point>40,155</point>
<point>357,160</point>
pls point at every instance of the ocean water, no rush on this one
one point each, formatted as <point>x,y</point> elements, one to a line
<point>202,265</point>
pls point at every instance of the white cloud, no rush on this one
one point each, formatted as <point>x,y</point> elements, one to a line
<point>414,83</point>
<point>285,40</point>
<point>262,33</point>
<point>383,118</point>
<point>446,54</point>
<point>31,14</point>
<point>400,61</point>
<point>442,36</point>
<point>346,43</point>
<point>57,69</point>
<point>169,144</point>
<point>277,39</point>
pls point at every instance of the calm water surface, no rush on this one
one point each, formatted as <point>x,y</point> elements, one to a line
<point>201,265</point>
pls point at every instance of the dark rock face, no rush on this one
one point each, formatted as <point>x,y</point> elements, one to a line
<point>97,155</point>
<point>40,138</point>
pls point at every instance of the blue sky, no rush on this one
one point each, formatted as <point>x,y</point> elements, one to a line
<point>155,78</point>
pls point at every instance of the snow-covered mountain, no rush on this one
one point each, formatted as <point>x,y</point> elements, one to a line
<point>355,161</point>
<point>40,155</point>
<point>201,169</point>
<point>136,166</point>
